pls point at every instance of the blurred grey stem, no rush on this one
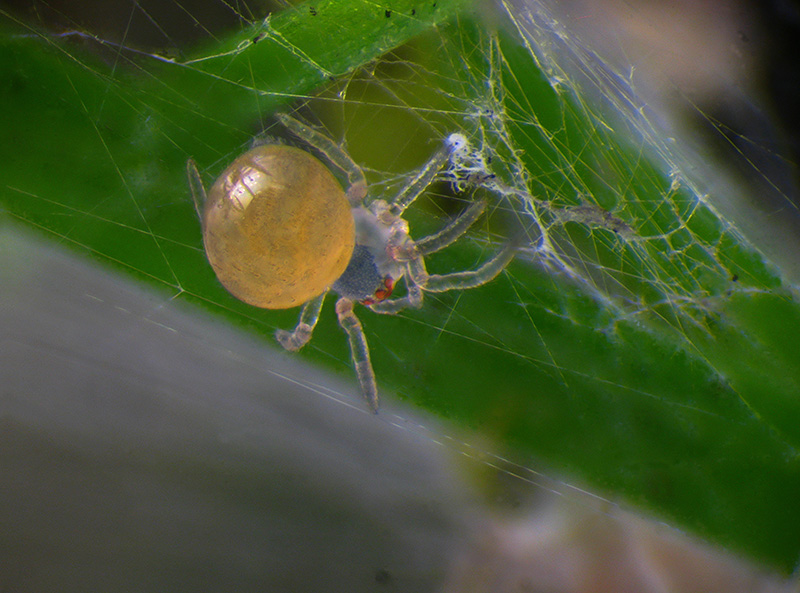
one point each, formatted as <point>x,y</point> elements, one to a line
<point>142,447</point>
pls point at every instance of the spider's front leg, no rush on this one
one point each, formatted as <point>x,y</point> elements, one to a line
<point>418,183</point>
<point>471,278</point>
<point>414,252</point>
<point>298,338</point>
<point>359,351</point>
<point>419,281</point>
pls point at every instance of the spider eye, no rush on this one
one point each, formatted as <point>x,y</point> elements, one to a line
<point>277,227</point>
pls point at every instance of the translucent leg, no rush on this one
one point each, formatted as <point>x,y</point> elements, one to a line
<point>420,181</point>
<point>472,278</point>
<point>355,176</point>
<point>298,338</point>
<point>196,185</point>
<point>452,231</point>
<point>359,351</point>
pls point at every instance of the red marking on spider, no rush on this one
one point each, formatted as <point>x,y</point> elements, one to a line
<point>382,293</point>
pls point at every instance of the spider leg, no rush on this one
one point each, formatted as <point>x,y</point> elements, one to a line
<point>417,184</point>
<point>415,266</point>
<point>452,231</point>
<point>419,281</point>
<point>357,184</point>
<point>359,351</point>
<point>196,185</point>
<point>298,338</point>
<point>472,278</point>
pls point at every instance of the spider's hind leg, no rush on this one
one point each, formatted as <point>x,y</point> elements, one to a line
<point>357,184</point>
<point>359,351</point>
<point>298,338</point>
<point>196,186</point>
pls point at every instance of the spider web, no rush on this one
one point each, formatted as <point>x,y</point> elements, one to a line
<point>622,337</point>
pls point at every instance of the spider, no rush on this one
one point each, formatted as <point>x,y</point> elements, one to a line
<point>279,231</point>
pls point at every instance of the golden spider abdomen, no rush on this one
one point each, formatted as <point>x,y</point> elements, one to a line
<point>277,227</point>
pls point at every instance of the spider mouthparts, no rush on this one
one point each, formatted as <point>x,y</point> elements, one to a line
<point>382,293</point>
